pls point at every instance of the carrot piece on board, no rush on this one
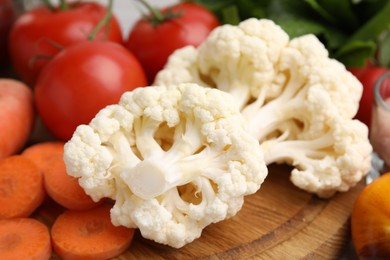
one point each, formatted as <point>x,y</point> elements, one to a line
<point>61,187</point>
<point>65,189</point>
<point>24,238</point>
<point>21,187</point>
<point>41,153</point>
<point>89,234</point>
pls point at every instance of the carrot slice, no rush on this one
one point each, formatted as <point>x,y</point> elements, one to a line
<point>24,238</point>
<point>65,189</point>
<point>21,187</point>
<point>41,153</point>
<point>61,187</point>
<point>89,234</point>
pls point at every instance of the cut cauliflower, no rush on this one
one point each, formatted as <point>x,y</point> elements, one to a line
<point>298,102</point>
<point>174,159</point>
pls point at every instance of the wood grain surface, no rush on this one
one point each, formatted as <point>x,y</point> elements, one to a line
<point>278,222</point>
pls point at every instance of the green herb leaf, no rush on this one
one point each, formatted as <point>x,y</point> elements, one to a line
<point>295,27</point>
<point>332,38</point>
<point>336,12</point>
<point>252,8</point>
<point>373,27</point>
<point>355,53</point>
<point>349,29</point>
<point>321,11</point>
<point>230,15</point>
<point>384,49</point>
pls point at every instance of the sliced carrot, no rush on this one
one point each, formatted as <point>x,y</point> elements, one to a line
<point>61,187</point>
<point>24,238</point>
<point>21,187</point>
<point>41,153</point>
<point>65,189</point>
<point>89,234</point>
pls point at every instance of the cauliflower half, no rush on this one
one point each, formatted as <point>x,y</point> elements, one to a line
<point>298,103</point>
<point>174,159</point>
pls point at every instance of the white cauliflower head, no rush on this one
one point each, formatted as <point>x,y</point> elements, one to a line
<point>236,59</point>
<point>174,159</point>
<point>298,103</point>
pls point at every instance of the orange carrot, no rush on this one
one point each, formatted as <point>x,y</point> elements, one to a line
<point>65,189</point>
<point>24,238</point>
<point>61,187</point>
<point>89,234</point>
<point>16,116</point>
<point>41,153</point>
<point>21,187</point>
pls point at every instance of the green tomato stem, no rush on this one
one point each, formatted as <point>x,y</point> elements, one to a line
<point>63,5</point>
<point>48,4</point>
<point>106,19</point>
<point>39,57</point>
<point>156,14</point>
<point>45,56</point>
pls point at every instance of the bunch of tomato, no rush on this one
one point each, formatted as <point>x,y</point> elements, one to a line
<point>76,59</point>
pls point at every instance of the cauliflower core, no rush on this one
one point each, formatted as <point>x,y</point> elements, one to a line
<point>298,102</point>
<point>174,159</point>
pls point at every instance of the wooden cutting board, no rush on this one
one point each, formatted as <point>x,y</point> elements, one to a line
<point>278,222</point>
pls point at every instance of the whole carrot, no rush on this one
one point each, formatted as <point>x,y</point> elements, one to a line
<point>16,116</point>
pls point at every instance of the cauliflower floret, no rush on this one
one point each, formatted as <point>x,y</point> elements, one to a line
<point>331,162</point>
<point>237,59</point>
<point>298,103</point>
<point>174,159</point>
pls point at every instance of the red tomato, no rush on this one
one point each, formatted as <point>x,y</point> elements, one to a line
<point>7,17</point>
<point>368,78</point>
<point>35,31</point>
<point>153,43</point>
<point>359,71</point>
<point>81,80</point>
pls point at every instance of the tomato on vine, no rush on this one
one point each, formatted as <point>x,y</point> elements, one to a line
<point>81,80</point>
<point>45,29</point>
<point>154,37</point>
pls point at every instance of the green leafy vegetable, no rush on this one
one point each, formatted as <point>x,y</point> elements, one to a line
<point>350,29</point>
<point>384,46</point>
<point>230,15</point>
<point>337,12</point>
<point>355,53</point>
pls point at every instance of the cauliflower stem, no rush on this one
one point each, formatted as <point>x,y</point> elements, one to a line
<point>162,170</point>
